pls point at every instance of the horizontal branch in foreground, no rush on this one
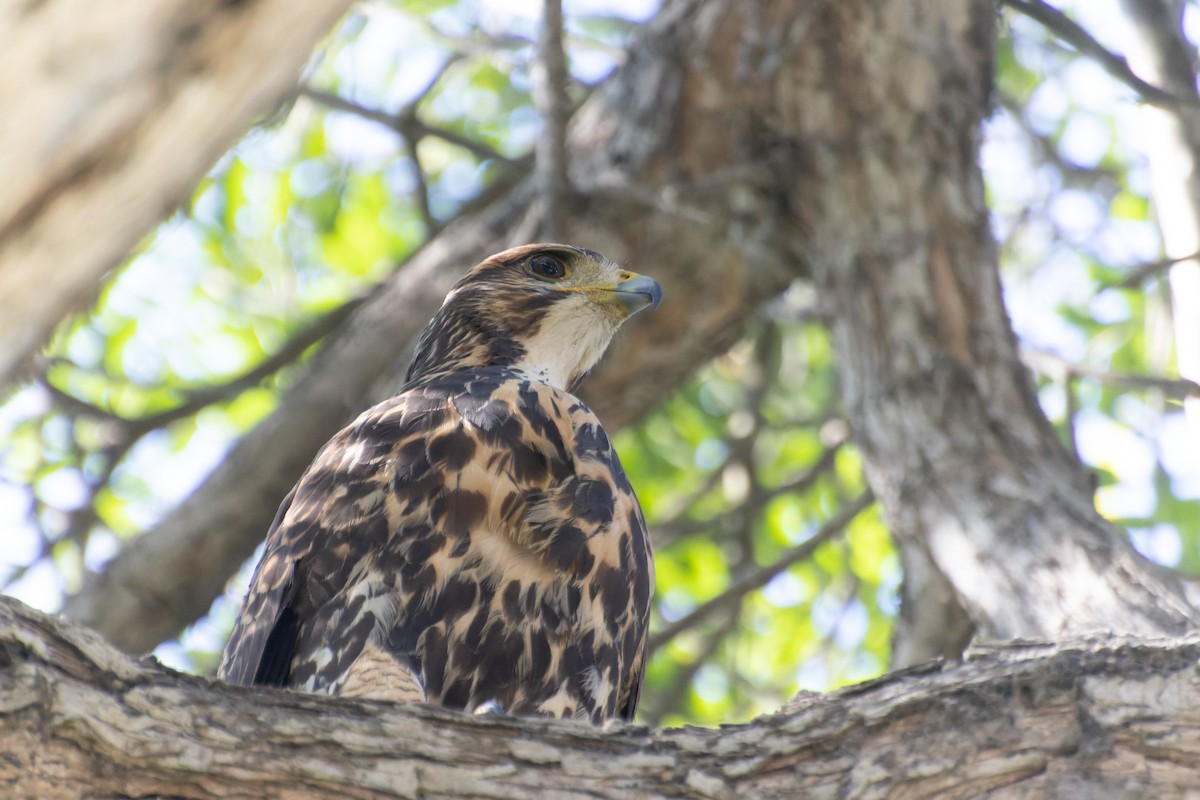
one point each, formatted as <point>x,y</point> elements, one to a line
<point>1095,718</point>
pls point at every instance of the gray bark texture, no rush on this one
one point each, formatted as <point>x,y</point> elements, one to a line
<point>1095,720</point>
<point>889,198</point>
<point>113,112</point>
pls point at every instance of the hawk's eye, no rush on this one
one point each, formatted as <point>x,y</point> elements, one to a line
<point>547,267</point>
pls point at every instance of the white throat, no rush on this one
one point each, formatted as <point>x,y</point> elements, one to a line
<point>569,343</point>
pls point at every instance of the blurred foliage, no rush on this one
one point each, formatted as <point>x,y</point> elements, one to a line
<point>411,110</point>
<point>1086,279</point>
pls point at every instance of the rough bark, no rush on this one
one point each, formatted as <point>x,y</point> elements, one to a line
<point>1087,719</point>
<point>956,448</point>
<point>114,112</point>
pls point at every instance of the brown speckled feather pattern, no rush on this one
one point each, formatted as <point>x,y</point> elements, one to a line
<point>472,542</point>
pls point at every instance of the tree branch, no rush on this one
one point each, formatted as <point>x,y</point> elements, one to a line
<point>407,124</point>
<point>1078,37</point>
<point>1045,147</point>
<point>1083,718</point>
<point>1059,369</point>
<point>1141,273</point>
<point>1164,53</point>
<point>670,532</point>
<point>197,399</point>
<point>962,458</point>
<point>127,432</point>
<point>550,97</point>
<point>760,577</point>
<point>422,190</point>
<point>112,145</point>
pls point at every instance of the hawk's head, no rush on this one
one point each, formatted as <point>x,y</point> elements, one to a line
<point>547,309</point>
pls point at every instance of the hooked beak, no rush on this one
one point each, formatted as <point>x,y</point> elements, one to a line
<point>637,292</point>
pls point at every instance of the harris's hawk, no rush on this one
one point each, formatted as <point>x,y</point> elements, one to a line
<point>472,542</point>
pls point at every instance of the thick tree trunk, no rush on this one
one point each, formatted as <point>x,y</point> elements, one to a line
<point>1099,719</point>
<point>968,469</point>
<point>113,112</point>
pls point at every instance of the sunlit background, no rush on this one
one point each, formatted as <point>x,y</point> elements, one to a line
<point>736,471</point>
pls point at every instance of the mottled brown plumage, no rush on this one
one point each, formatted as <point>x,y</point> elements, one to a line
<point>472,542</point>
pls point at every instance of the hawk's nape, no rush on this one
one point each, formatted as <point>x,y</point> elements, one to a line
<point>472,542</point>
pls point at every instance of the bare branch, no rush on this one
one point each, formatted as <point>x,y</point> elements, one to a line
<point>1141,273</point>
<point>127,431</point>
<point>1058,368</point>
<point>1027,720</point>
<point>550,97</point>
<point>196,400</point>
<point>422,192</point>
<point>1078,37</point>
<point>761,576</point>
<point>670,532</point>
<point>407,124</point>
<point>1073,174</point>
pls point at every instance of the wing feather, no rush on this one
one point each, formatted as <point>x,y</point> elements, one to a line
<point>312,546</point>
<point>243,658</point>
